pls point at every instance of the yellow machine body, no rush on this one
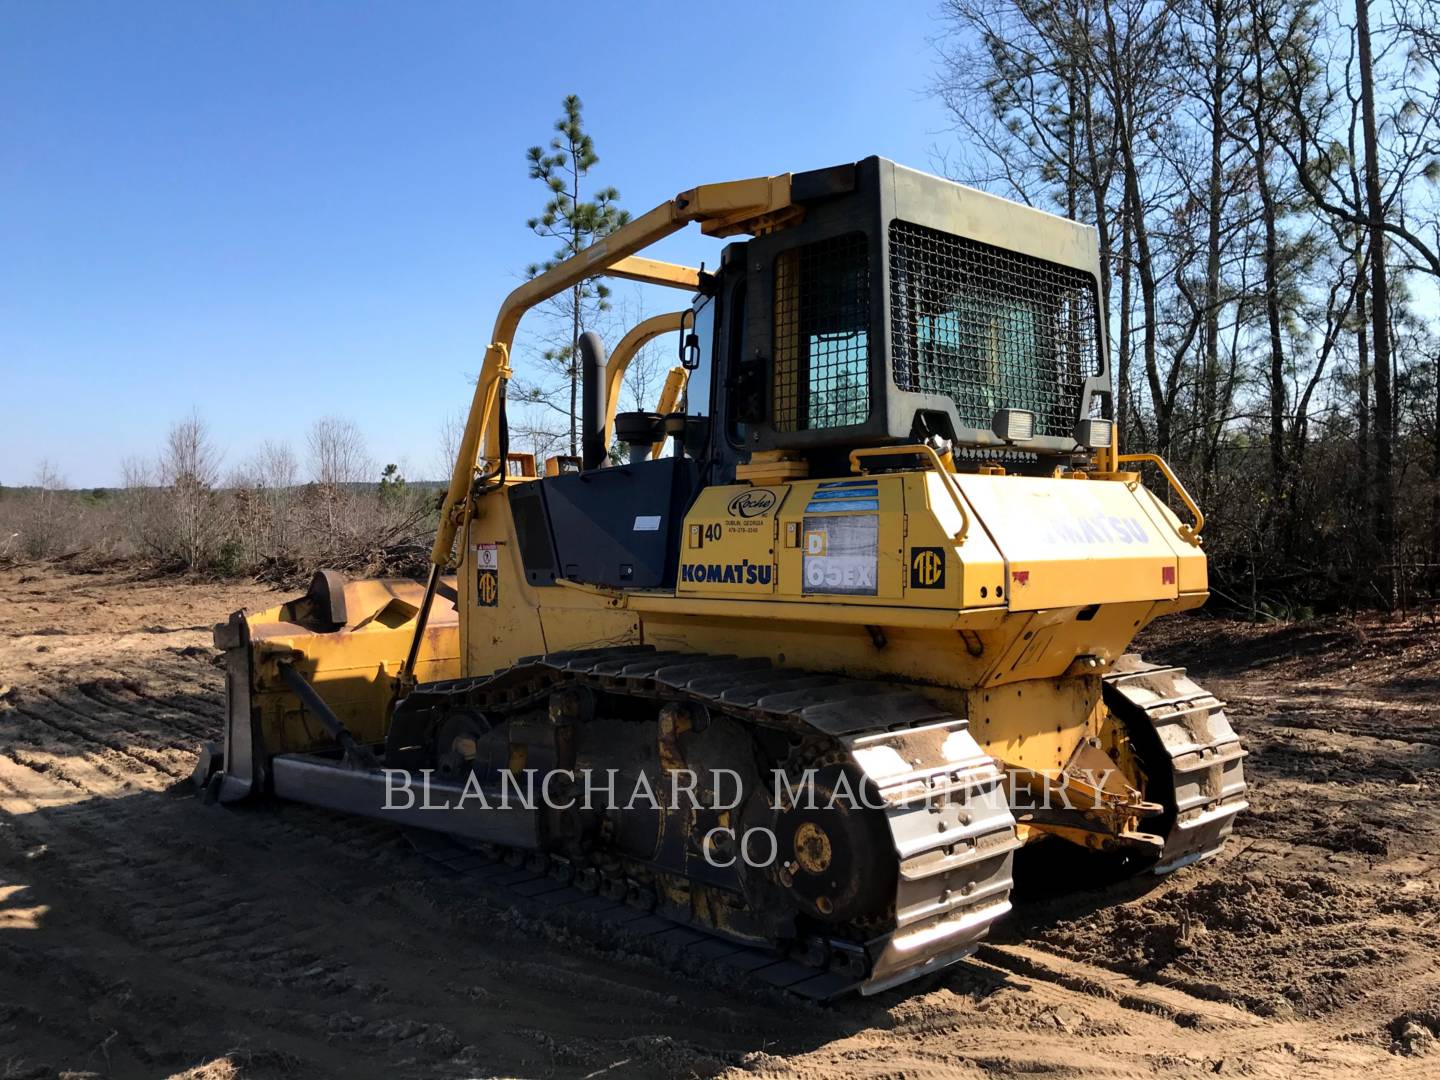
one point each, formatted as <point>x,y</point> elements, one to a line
<point>1000,576</point>
<point>1051,583</point>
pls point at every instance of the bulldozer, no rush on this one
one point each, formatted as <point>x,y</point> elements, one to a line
<point>851,604</point>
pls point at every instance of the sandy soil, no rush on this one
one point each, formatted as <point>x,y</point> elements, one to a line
<point>142,934</point>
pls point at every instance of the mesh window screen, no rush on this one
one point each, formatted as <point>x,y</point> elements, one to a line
<point>990,328</point>
<point>822,334</point>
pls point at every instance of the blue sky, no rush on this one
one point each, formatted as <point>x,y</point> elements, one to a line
<point>273,211</point>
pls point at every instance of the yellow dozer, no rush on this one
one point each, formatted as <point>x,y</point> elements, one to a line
<point>788,682</point>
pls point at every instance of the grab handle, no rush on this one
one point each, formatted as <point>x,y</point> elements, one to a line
<point>933,459</point>
<point>1189,533</point>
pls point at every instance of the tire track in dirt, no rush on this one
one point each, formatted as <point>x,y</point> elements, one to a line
<point>179,689</point>
<point>183,928</point>
<point>1199,1007</point>
<point>198,681</point>
<point>173,912</point>
<point>161,716</point>
<point>145,755</point>
<point>50,767</point>
<point>141,716</point>
<point>1371,728</point>
<point>17,785</point>
<point>100,723</point>
<point>189,917</point>
<point>92,772</point>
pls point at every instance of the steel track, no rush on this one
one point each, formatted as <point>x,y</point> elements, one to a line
<point>951,829</point>
<point>1204,756</point>
<point>954,872</point>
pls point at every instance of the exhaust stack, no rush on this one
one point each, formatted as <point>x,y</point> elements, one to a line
<point>593,450</point>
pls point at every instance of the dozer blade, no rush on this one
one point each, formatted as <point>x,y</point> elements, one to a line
<point>348,641</point>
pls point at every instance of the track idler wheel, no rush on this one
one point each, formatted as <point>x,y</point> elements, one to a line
<point>834,855</point>
<point>459,745</point>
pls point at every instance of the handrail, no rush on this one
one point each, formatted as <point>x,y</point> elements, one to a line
<point>1188,533</point>
<point>939,466</point>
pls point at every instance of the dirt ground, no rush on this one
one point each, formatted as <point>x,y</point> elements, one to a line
<point>142,934</point>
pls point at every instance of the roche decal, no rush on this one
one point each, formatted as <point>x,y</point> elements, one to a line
<point>741,573</point>
<point>756,502</point>
<point>927,568</point>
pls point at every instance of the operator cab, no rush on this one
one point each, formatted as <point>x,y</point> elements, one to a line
<point>893,308</point>
<point>902,309</point>
<point>907,309</point>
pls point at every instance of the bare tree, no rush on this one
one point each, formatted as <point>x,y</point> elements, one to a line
<point>452,430</point>
<point>43,522</point>
<point>541,439</point>
<point>188,470</point>
<point>1247,179</point>
<point>278,472</point>
<point>262,497</point>
<point>1392,93</point>
<point>337,453</point>
<point>338,460</point>
<point>276,465</point>
<point>645,374</point>
<point>137,500</point>
<point>1210,75</point>
<point>1058,102</point>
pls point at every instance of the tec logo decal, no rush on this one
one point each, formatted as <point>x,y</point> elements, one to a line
<point>487,588</point>
<point>927,568</point>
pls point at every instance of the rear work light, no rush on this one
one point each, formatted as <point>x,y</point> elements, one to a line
<point>1094,433</point>
<point>1013,425</point>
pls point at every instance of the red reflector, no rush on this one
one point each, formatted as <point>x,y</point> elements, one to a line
<point>1167,575</point>
<point>1021,577</point>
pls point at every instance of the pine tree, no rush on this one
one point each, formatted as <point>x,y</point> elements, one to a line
<point>392,486</point>
<point>574,223</point>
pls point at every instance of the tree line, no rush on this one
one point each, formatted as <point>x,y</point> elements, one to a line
<point>277,515</point>
<point>1262,176</point>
